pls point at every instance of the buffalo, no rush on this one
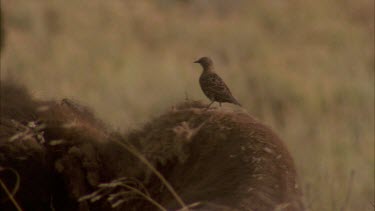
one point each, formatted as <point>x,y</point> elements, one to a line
<point>57,155</point>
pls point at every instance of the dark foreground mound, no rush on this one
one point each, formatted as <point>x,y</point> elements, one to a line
<point>68,160</point>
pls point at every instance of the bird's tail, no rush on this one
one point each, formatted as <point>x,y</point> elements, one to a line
<point>236,102</point>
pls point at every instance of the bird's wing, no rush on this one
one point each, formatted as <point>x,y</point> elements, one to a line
<point>216,85</point>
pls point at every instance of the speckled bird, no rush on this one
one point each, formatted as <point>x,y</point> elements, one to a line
<point>212,85</point>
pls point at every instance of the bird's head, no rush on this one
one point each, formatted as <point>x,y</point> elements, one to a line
<point>205,62</point>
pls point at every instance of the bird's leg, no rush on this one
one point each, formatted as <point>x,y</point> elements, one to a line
<point>209,105</point>
<point>220,104</point>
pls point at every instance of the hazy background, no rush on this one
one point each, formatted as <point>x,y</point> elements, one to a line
<point>306,68</point>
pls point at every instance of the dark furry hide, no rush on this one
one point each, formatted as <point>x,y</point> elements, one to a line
<point>214,159</point>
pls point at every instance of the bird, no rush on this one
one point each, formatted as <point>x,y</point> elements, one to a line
<point>212,85</point>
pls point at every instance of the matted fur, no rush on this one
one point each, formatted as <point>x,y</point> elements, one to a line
<point>216,159</point>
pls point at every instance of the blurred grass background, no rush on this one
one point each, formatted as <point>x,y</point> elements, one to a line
<point>306,68</point>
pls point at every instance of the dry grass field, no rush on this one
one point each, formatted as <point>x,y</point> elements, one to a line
<point>306,68</point>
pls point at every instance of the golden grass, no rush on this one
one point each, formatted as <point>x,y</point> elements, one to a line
<point>10,194</point>
<point>133,150</point>
<point>304,67</point>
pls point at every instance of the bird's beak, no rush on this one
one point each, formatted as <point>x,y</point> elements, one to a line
<point>196,61</point>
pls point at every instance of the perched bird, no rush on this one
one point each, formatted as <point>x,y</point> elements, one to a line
<point>212,85</point>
